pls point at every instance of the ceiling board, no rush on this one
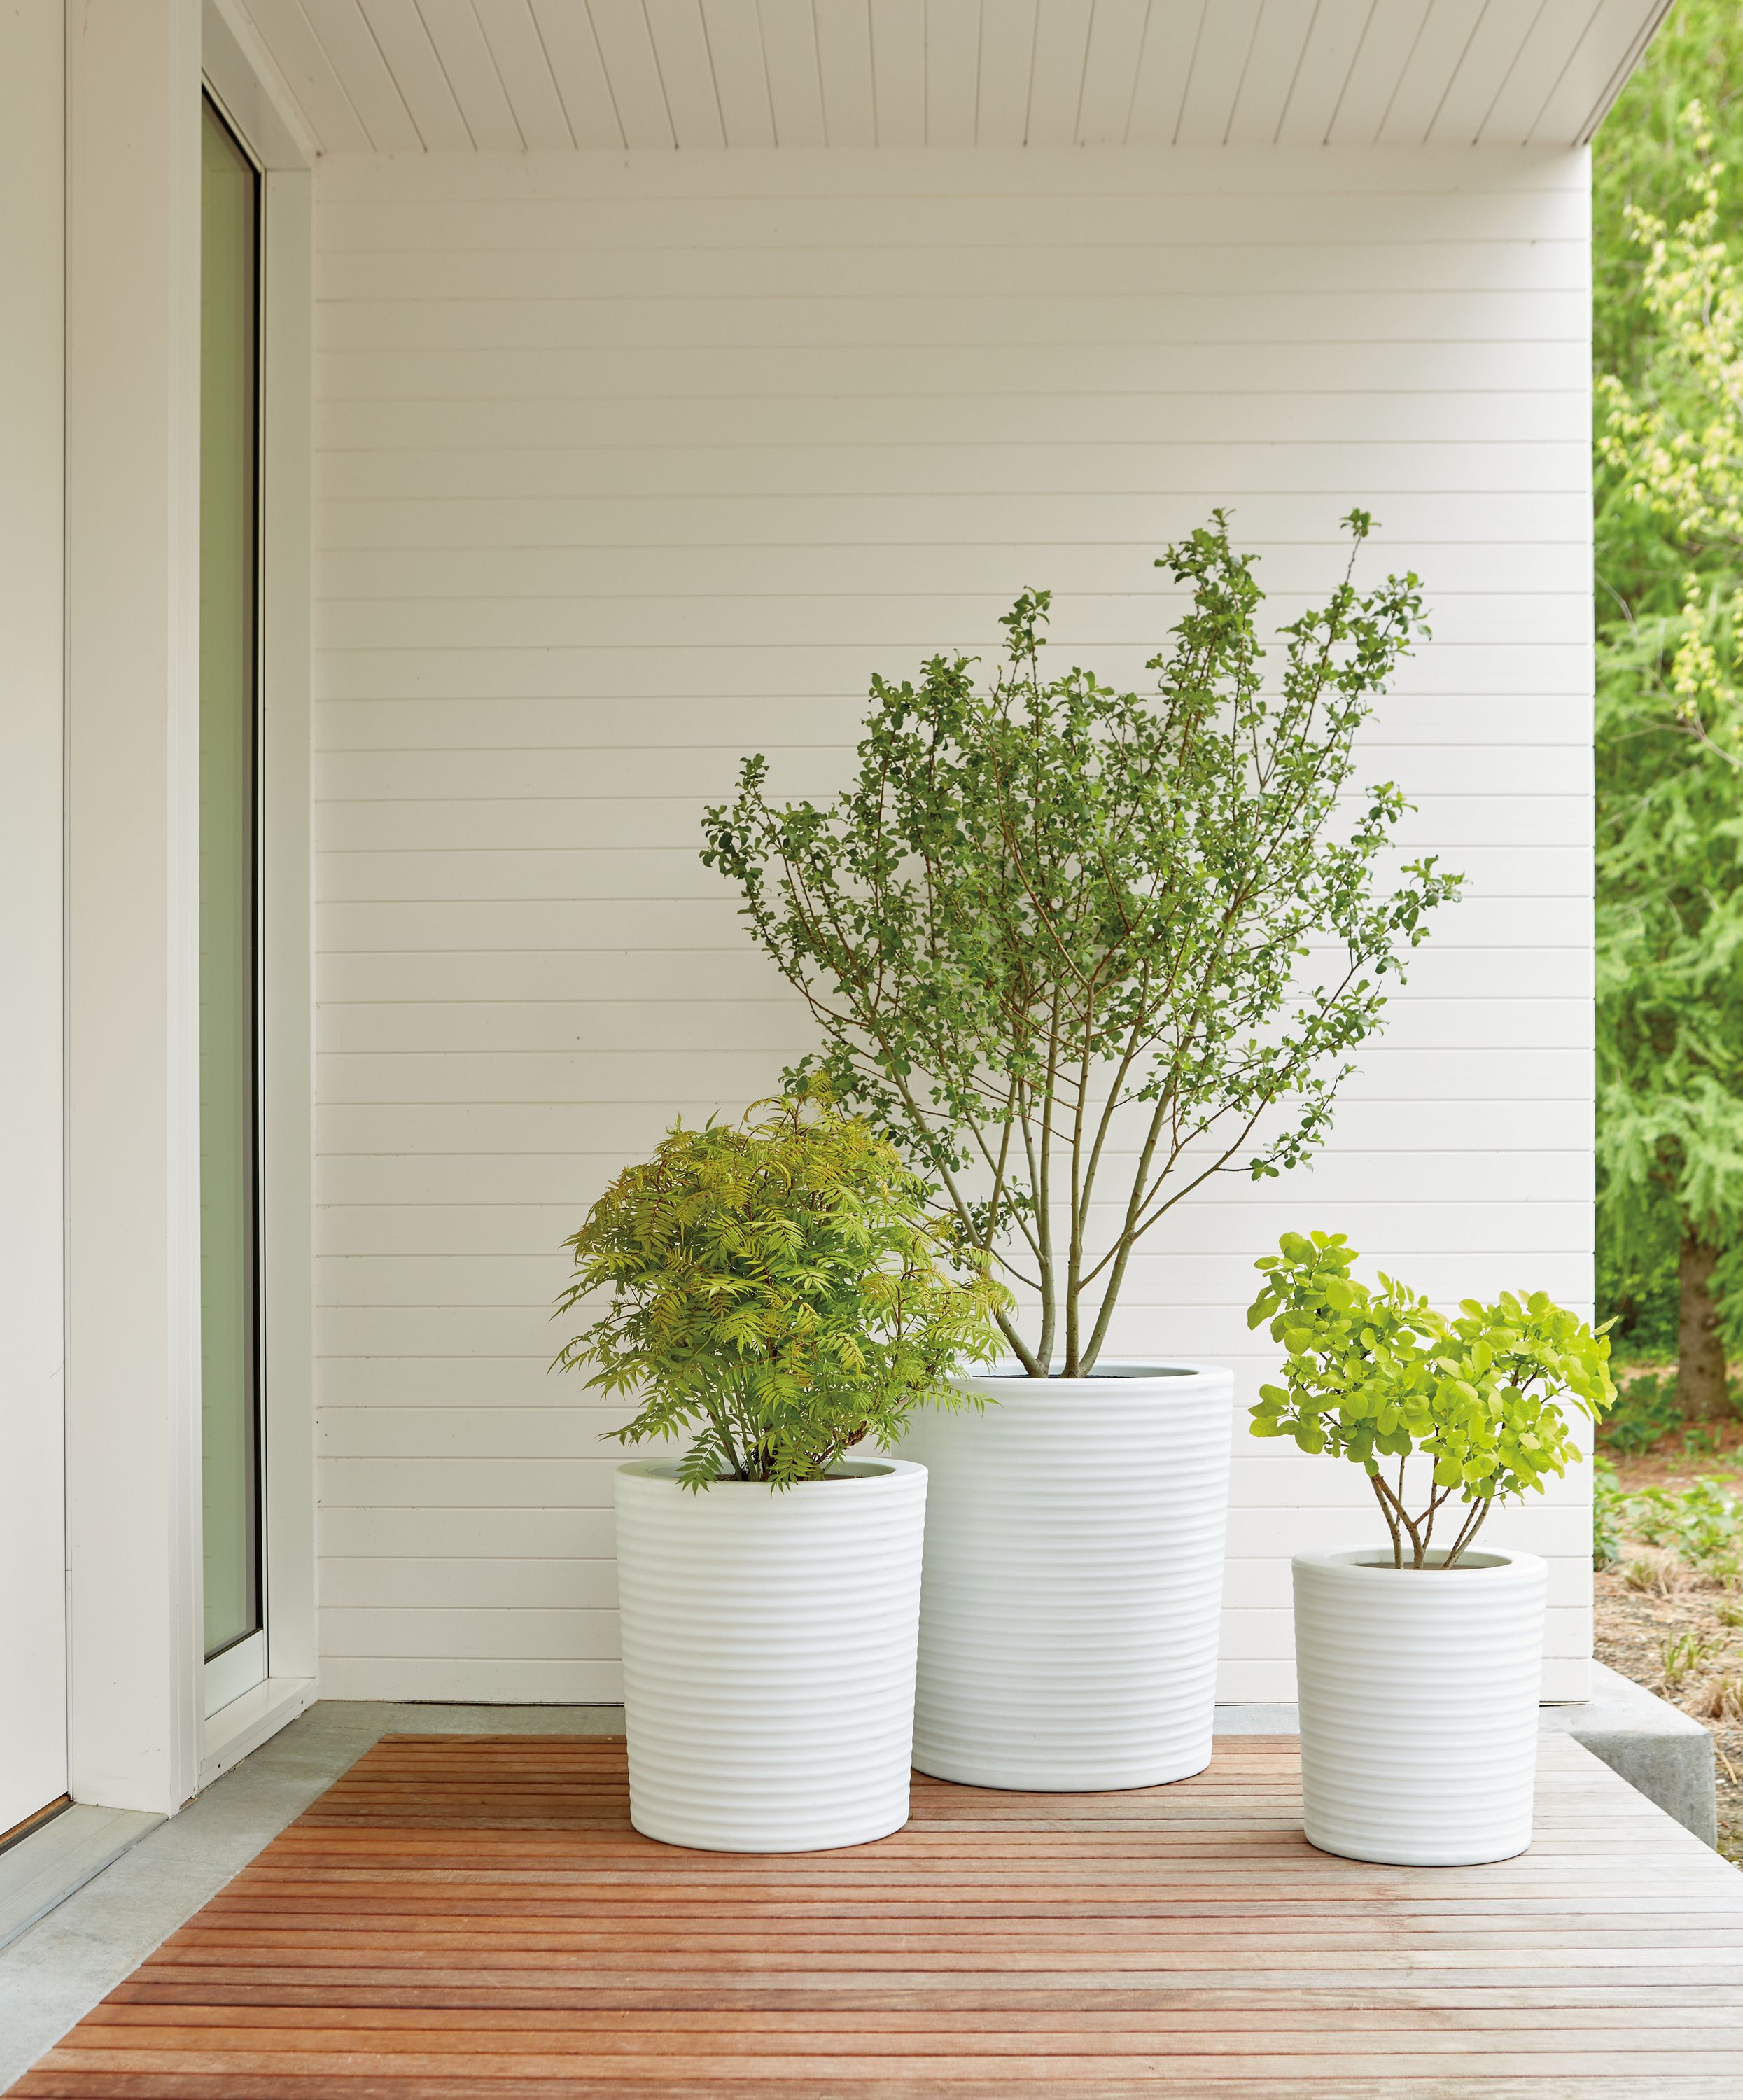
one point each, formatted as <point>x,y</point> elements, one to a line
<point>1273,59</point>
<point>1482,72</point>
<point>460,43</point>
<point>898,71</point>
<point>1327,60</point>
<point>1387,44</point>
<point>741,78</point>
<point>686,69</point>
<point>795,88</point>
<point>1171,39</point>
<point>1217,71</point>
<point>460,75</point>
<point>1559,28</point>
<point>952,59</point>
<point>309,73</point>
<point>403,36</point>
<point>627,46</point>
<point>1439,51</point>
<point>844,59</point>
<point>1594,75</point>
<point>356,57</point>
<point>1006,64</point>
<point>572,51</point>
<point>1111,69</point>
<point>1056,91</point>
<point>524,67</point>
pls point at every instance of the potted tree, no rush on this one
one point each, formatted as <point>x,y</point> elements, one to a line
<point>1079,951</point>
<point>1418,1663</point>
<point>778,1291</point>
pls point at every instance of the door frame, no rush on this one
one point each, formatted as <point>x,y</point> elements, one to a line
<point>135,73</point>
<point>33,1548</point>
<point>284,1676</point>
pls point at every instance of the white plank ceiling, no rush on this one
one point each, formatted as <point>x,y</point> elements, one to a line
<point>460,75</point>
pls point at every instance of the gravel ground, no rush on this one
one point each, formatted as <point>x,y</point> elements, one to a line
<point>1680,1634</point>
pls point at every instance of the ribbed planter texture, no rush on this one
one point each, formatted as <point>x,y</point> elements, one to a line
<point>1073,1595</point>
<point>769,1644</point>
<point>1419,1696</point>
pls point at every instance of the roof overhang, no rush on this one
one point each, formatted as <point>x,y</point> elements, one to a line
<point>461,76</point>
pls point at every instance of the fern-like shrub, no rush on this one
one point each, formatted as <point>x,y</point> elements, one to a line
<point>780,1289</point>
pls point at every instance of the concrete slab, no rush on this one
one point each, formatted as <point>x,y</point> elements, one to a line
<point>1654,1745</point>
<point>45,1868</point>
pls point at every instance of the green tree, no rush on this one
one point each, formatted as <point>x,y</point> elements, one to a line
<point>1668,328</point>
<point>1079,950</point>
<point>1641,158</point>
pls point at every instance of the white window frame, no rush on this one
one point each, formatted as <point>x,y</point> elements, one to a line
<point>272,1678</point>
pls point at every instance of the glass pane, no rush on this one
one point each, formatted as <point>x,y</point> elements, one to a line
<point>229,368</point>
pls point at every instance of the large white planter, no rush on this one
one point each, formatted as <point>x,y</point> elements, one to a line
<point>1418,1704</point>
<point>769,1639</point>
<point>1073,1595</point>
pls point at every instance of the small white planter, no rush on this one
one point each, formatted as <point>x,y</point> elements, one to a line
<point>1073,1595</point>
<point>769,1641</point>
<point>1418,1704</point>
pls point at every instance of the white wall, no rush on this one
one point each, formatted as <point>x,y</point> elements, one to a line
<point>32,1536</point>
<point>627,466</point>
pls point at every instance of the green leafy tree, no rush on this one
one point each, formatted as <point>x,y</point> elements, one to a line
<point>779,1290</point>
<point>1379,1376</point>
<point>1641,158</point>
<point>1670,742</point>
<point>1077,948</point>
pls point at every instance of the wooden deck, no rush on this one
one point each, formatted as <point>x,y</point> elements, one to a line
<point>472,1915</point>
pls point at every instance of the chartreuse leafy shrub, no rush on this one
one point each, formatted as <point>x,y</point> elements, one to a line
<point>1380,1378</point>
<point>780,1289</point>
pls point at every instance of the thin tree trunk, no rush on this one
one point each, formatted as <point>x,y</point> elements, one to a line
<point>1699,1348</point>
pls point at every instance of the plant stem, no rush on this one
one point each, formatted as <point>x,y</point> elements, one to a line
<point>1392,1522</point>
<point>1471,1526</point>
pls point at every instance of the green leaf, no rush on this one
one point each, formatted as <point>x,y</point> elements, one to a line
<point>1390,1382</point>
<point>1028,873</point>
<point>782,1290</point>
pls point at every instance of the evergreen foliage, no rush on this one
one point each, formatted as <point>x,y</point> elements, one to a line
<point>1669,335</point>
<point>1376,1376</point>
<point>1044,907</point>
<point>778,1289</point>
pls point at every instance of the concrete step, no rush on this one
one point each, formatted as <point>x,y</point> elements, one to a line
<point>1656,1747</point>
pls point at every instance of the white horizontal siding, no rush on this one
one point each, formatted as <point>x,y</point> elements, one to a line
<point>628,467</point>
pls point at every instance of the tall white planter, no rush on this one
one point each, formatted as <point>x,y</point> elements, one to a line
<point>769,1643</point>
<point>1073,1594</point>
<point>1419,1696</point>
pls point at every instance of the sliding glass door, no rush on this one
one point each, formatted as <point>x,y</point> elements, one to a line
<point>229,914</point>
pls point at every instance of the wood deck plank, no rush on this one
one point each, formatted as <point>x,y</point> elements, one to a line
<point>466,1916</point>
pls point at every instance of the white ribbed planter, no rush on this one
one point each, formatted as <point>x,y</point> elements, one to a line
<point>1073,1595</point>
<point>1418,1704</point>
<point>768,1639</point>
